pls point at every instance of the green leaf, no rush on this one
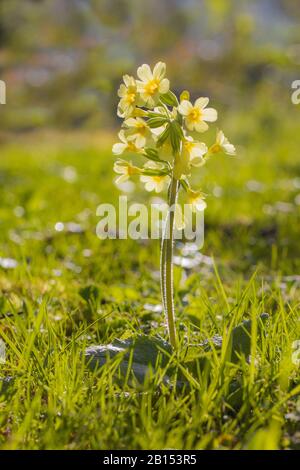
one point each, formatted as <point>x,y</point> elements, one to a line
<point>169,99</point>
<point>90,292</point>
<point>150,172</point>
<point>185,184</point>
<point>138,354</point>
<point>152,154</point>
<point>156,122</point>
<point>240,341</point>
<point>163,136</point>
<point>176,135</point>
<point>178,128</point>
<point>153,114</point>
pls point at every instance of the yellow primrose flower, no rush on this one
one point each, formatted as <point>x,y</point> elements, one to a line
<point>196,114</point>
<point>125,145</point>
<point>196,150</point>
<point>222,144</point>
<point>129,97</point>
<point>155,183</point>
<point>152,84</point>
<point>191,154</point>
<point>125,170</point>
<point>137,130</point>
<point>196,199</point>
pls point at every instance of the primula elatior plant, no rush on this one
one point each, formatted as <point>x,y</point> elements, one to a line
<point>156,126</point>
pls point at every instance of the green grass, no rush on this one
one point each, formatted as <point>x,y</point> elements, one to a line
<point>48,397</point>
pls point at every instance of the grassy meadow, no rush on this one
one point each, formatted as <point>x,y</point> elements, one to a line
<point>62,290</point>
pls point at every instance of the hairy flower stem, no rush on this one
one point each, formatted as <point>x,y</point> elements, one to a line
<point>167,263</point>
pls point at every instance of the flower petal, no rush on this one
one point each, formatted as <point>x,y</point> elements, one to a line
<point>209,114</point>
<point>140,141</point>
<point>220,138</point>
<point>122,90</point>
<point>130,122</point>
<point>159,70</point>
<point>184,107</point>
<point>201,126</point>
<point>198,150</point>
<point>201,102</point>
<point>144,73</point>
<point>229,148</point>
<point>119,148</point>
<point>122,136</point>
<point>164,86</point>
<point>197,161</point>
<point>129,81</point>
<point>121,179</point>
<point>190,124</point>
<point>149,186</point>
<point>120,111</point>
<point>200,205</point>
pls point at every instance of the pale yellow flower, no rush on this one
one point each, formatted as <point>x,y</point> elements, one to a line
<point>125,170</point>
<point>192,154</point>
<point>138,131</point>
<point>129,97</point>
<point>125,145</point>
<point>196,150</point>
<point>222,145</point>
<point>196,199</point>
<point>152,84</point>
<point>196,114</point>
<point>155,183</point>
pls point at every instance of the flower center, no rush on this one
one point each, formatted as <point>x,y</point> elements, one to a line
<point>132,148</point>
<point>215,148</point>
<point>157,179</point>
<point>195,114</point>
<point>130,98</point>
<point>141,128</point>
<point>152,86</point>
<point>188,145</point>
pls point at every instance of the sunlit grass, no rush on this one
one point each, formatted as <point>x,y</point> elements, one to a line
<point>49,398</point>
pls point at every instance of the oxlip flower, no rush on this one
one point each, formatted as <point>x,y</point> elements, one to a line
<point>192,154</point>
<point>222,144</point>
<point>196,151</point>
<point>156,182</point>
<point>129,97</point>
<point>125,169</point>
<point>196,199</point>
<point>136,129</point>
<point>195,115</point>
<point>152,84</point>
<point>125,145</point>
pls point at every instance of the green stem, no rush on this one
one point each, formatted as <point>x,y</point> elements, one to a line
<point>167,263</point>
<point>163,270</point>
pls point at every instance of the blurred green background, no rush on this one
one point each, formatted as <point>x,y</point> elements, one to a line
<point>62,60</point>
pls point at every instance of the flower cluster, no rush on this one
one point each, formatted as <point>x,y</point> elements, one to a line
<point>157,125</point>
